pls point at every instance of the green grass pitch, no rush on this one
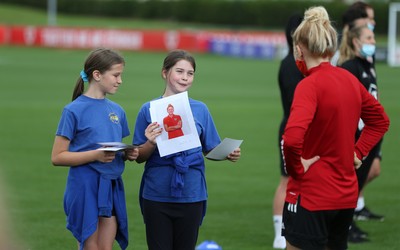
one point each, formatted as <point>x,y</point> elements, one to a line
<point>243,98</point>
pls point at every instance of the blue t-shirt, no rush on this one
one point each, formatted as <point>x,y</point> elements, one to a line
<point>90,192</point>
<point>87,121</point>
<point>159,171</point>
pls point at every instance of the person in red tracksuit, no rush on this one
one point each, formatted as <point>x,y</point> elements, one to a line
<point>318,144</point>
<point>172,123</point>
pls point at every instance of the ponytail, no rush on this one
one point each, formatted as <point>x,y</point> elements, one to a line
<point>79,88</point>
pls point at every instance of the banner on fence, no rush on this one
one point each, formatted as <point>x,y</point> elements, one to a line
<point>261,45</point>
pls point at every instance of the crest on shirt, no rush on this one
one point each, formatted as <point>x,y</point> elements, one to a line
<point>113,118</point>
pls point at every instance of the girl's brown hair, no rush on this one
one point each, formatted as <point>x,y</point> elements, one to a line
<point>176,55</point>
<point>101,59</point>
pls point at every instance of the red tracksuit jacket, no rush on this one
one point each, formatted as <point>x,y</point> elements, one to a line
<point>326,108</point>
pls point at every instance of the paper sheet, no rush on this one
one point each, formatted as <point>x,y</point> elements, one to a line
<point>114,146</point>
<point>221,151</point>
<point>190,139</point>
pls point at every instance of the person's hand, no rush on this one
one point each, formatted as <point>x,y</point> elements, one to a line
<point>234,156</point>
<point>152,131</point>
<point>357,162</point>
<point>105,156</point>
<point>307,163</point>
<point>131,154</point>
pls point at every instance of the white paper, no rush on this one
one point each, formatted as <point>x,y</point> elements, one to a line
<point>226,147</point>
<point>114,146</point>
<point>110,149</point>
<point>190,138</point>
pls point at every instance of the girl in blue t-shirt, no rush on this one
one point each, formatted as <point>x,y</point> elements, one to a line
<point>173,191</point>
<point>94,199</point>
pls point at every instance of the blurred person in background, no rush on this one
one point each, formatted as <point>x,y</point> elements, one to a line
<point>361,14</point>
<point>353,16</point>
<point>288,78</point>
<point>357,51</point>
<point>319,147</point>
<point>362,212</point>
<point>369,10</point>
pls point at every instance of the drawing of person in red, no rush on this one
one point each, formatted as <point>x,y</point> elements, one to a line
<point>172,123</point>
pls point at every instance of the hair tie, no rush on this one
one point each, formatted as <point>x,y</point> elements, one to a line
<point>84,76</point>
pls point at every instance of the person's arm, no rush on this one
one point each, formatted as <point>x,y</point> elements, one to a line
<point>145,151</point>
<point>179,125</point>
<point>61,156</point>
<point>147,148</point>
<point>301,115</point>
<point>165,123</point>
<point>131,154</point>
<point>166,127</point>
<point>172,128</point>
<point>376,123</point>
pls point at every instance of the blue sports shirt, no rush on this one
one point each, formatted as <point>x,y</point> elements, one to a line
<point>94,189</point>
<point>159,175</point>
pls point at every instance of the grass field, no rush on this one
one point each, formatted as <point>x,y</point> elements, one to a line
<point>243,98</point>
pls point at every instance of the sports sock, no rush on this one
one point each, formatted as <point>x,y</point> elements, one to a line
<point>277,225</point>
<point>279,240</point>
<point>360,203</point>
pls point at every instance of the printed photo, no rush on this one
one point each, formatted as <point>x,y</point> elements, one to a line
<point>174,115</point>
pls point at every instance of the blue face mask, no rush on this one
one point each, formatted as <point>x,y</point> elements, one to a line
<point>367,50</point>
<point>371,26</point>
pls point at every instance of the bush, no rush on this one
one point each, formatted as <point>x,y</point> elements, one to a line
<point>236,14</point>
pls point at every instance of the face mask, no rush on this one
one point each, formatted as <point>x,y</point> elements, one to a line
<point>371,26</point>
<point>301,65</point>
<point>367,50</point>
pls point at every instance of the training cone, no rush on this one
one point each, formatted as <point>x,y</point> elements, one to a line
<point>208,245</point>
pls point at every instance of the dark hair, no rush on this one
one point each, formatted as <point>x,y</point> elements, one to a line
<point>293,22</point>
<point>352,14</point>
<point>361,6</point>
<point>176,55</point>
<point>101,59</point>
<point>355,11</point>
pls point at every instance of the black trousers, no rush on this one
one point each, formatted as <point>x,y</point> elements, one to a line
<point>172,226</point>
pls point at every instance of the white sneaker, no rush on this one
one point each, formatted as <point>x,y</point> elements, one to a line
<point>279,242</point>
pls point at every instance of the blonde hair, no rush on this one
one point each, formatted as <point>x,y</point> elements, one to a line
<point>347,50</point>
<point>316,33</point>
